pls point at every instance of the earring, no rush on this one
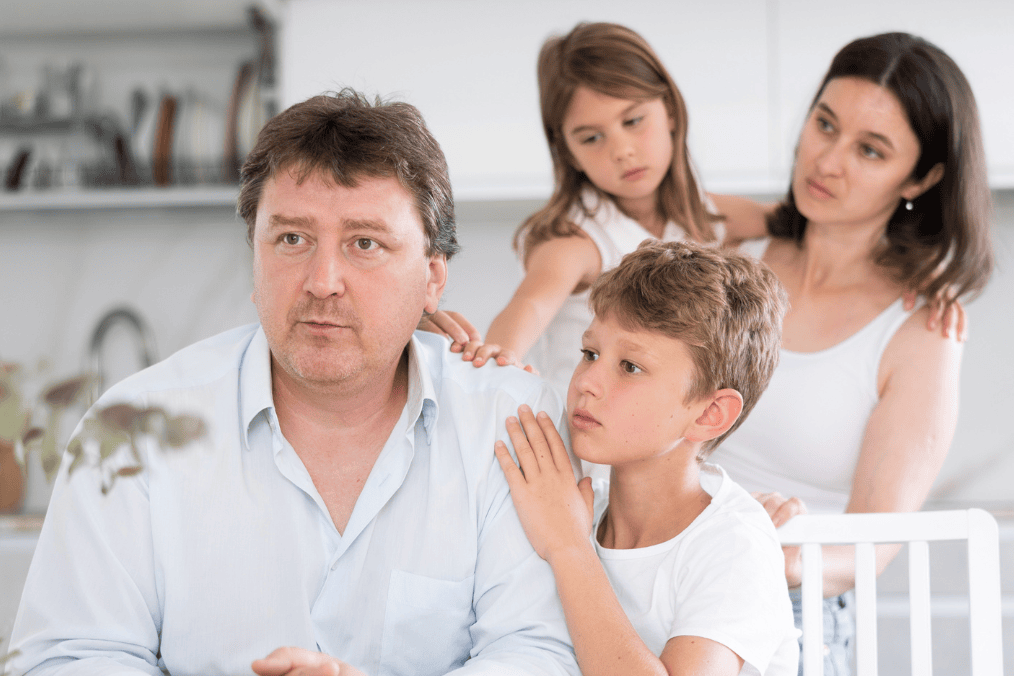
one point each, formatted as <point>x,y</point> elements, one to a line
<point>908,205</point>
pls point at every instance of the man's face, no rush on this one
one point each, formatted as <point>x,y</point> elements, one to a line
<point>341,277</point>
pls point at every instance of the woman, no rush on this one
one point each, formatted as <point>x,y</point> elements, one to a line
<point>888,193</point>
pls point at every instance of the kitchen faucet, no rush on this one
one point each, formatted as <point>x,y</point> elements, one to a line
<point>145,341</point>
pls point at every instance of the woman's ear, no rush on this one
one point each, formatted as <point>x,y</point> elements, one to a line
<point>931,178</point>
<point>720,412</point>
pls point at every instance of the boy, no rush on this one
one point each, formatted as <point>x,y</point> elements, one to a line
<point>684,573</point>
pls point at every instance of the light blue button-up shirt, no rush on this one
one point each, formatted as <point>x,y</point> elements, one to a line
<point>222,551</point>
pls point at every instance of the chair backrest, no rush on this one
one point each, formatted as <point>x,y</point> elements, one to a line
<point>915,529</point>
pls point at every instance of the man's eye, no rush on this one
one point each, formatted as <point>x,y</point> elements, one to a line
<point>588,355</point>
<point>365,244</point>
<point>629,367</point>
<point>291,238</point>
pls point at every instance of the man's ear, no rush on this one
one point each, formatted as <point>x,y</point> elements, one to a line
<point>720,411</point>
<point>437,281</point>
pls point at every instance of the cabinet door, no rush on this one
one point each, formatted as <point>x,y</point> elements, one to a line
<point>470,68</point>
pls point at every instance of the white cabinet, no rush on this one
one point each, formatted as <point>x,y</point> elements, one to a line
<point>747,69</point>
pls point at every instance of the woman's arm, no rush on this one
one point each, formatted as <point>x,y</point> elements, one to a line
<point>554,269</point>
<point>907,438</point>
<point>744,218</point>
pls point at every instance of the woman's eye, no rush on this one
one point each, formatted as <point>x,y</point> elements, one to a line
<point>629,367</point>
<point>870,152</point>
<point>588,355</point>
<point>824,125</point>
<point>365,244</point>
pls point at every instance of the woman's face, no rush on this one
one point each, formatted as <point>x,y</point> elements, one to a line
<point>855,156</point>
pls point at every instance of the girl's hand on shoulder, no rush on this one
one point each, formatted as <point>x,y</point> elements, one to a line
<point>555,511</point>
<point>946,313</point>
<point>452,325</point>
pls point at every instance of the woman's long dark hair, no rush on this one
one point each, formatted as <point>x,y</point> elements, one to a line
<point>944,241</point>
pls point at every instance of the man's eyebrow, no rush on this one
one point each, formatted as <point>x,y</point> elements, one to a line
<point>279,221</point>
<point>367,224</point>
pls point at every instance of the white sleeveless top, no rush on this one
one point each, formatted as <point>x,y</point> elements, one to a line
<point>804,435</point>
<point>558,349</point>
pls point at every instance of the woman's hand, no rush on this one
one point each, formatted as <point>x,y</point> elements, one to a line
<point>781,510</point>
<point>946,313</point>
<point>555,512</point>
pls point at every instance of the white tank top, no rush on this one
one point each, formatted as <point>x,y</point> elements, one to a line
<point>558,349</point>
<point>804,435</point>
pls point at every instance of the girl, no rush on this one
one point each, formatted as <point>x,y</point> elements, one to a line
<point>617,127</point>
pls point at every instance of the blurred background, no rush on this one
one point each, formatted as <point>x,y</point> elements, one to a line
<point>123,123</point>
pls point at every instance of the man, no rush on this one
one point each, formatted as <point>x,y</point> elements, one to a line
<point>345,498</point>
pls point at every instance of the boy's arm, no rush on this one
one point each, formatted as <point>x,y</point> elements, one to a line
<point>557,517</point>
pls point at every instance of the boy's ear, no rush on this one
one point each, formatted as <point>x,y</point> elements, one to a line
<point>721,410</point>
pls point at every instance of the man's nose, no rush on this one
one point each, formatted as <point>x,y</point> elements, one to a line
<point>326,274</point>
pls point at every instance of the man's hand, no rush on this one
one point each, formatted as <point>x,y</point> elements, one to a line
<point>301,662</point>
<point>781,510</point>
<point>555,512</point>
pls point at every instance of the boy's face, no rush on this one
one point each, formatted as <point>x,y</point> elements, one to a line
<point>626,403</point>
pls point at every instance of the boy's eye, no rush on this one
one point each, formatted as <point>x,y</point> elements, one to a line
<point>588,355</point>
<point>629,367</point>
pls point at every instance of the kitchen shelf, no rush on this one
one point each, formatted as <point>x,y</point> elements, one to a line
<point>121,198</point>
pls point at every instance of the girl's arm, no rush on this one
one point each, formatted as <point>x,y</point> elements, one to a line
<point>907,438</point>
<point>554,269</point>
<point>557,517</point>
<point>744,218</point>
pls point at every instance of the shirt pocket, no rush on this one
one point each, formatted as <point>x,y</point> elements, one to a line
<point>426,624</point>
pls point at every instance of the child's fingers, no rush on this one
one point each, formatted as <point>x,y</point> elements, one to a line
<point>484,352</point>
<point>557,449</point>
<point>536,437</point>
<point>527,458</point>
<point>510,470</point>
<point>588,493</point>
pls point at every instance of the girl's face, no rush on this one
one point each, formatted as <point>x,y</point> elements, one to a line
<point>856,156</point>
<point>625,147</point>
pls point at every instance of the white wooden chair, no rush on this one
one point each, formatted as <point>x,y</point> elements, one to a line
<point>916,530</point>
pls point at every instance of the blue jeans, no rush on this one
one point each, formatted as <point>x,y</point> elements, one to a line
<point>839,632</point>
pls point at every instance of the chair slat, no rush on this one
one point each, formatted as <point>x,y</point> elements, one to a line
<point>985,621</point>
<point>813,610</point>
<point>866,609</point>
<point>919,608</point>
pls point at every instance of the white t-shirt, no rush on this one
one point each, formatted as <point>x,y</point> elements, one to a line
<point>722,578</point>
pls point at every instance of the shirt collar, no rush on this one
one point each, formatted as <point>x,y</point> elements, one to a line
<point>255,384</point>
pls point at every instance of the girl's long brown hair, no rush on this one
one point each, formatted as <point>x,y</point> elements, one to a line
<point>615,61</point>
<point>944,242</point>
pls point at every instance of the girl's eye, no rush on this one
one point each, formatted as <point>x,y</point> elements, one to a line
<point>365,244</point>
<point>588,355</point>
<point>629,367</point>
<point>870,152</point>
<point>591,139</point>
<point>634,121</point>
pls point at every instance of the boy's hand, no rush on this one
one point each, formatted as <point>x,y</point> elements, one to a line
<point>555,512</point>
<point>781,510</point>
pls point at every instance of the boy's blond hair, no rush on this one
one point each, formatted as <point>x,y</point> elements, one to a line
<point>725,306</point>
